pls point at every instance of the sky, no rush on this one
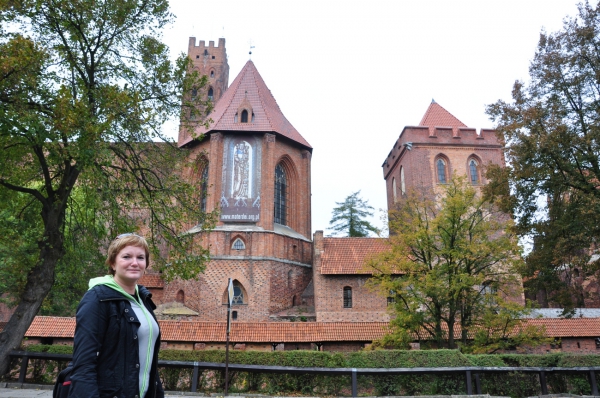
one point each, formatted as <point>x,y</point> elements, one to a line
<point>349,75</point>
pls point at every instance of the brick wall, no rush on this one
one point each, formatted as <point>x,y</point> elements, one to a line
<point>426,144</point>
<point>367,305</point>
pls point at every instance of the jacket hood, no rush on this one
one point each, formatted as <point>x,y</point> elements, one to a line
<point>109,281</point>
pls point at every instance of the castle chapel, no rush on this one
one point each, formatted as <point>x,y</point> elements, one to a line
<point>255,167</point>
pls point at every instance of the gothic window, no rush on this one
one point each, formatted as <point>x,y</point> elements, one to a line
<point>280,199</point>
<point>244,116</point>
<point>212,73</point>
<point>474,171</point>
<point>180,298</point>
<point>442,171</point>
<point>210,94</point>
<point>204,188</point>
<point>238,244</point>
<point>238,294</point>
<point>347,297</point>
<point>402,182</point>
<point>394,189</point>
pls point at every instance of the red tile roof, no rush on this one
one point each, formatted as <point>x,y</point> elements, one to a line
<point>437,116</point>
<point>294,332</point>
<point>345,256</point>
<point>51,326</point>
<point>249,88</point>
<point>152,281</point>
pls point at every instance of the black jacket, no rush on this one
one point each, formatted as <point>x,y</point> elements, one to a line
<point>106,350</point>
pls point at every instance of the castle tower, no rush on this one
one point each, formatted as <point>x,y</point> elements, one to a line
<point>212,62</point>
<point>255,168</point>
<point>426,156</point>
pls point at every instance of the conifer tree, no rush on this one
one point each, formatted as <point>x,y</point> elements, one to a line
<point>349,217</point>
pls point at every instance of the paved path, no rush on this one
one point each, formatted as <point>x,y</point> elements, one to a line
<point>13,390</point>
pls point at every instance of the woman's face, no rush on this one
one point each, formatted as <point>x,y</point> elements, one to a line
<point>129,265</point>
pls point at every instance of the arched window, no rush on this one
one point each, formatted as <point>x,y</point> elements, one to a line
<point>402,182</point>
<point>204,187</point>
<point>238,294</point>
<point>442,171</point>
<point>347,297</point>
<point>394,189</point>
<point>290,279</point>
<point>210,93</point>
<point>474,171</point>
<point>280,199</point>
<point>244,116</point>
<point>238,244</point>
<point>212,73</point>
<point>180,298</point>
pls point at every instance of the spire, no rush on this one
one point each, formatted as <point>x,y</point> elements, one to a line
<point>437,116</point>
<point>249,93</point>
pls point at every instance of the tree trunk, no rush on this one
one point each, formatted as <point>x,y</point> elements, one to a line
<point>39,282</point>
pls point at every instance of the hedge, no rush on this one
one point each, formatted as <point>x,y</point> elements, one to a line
<point>506,384</point>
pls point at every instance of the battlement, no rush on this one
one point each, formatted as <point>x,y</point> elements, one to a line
<point>413,137</point>
<point>192,47</point>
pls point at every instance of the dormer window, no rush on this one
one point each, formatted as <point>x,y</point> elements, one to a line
<point>244,116</point>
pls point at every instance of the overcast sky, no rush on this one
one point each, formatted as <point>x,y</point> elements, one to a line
<point>349,75</point>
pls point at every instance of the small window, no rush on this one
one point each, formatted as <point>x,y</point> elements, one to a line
<point>442,171</point>
<point>238,244</point>
<point>235,118</point>
<point>197,57</point>
<point>194,93</point>
<point>212,73</point>
<point>244,116</point>
<point>391,299</point>
<point>213,57</point>
<point>180,298</point>
<point>210,94</point>
<point>238,294</point>
<point>474,171</point>
<point>347,297</point>
<point>234,315</point>
<point>205,52</point>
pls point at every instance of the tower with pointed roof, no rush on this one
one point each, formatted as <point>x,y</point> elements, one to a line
<point>254,168</point>
<point>427,155</point>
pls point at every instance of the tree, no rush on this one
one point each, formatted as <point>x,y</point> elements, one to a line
<point>85,87</point>
<point>552,134</point>
<point>348,217</point>
<point>457,263</point>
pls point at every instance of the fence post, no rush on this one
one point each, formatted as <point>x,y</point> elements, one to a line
<point>543,383</point>
<point>477,384</point>
<point>469,386</point>
<point>24,364</point>
<point>354,383</point>
<point>593,382</point>
<point>195,378</point>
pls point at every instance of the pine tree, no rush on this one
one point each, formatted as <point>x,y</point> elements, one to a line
<point>349,217</point>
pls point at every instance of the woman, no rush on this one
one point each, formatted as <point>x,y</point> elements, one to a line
<point>116,343</point>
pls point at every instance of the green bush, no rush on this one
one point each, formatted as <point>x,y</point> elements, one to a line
<point>507,384</point>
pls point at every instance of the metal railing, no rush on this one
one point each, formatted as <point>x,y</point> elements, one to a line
<point>472,373</point>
